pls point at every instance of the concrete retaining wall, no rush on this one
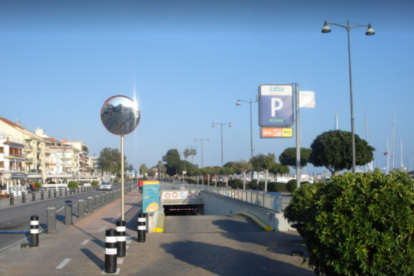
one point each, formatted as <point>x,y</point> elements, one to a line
<point>216,204</point>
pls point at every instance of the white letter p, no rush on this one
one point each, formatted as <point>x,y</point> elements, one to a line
<point>274,107</point>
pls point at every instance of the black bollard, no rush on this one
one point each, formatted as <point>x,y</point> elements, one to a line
<point>42,195</point>
<point>23,197</point>
<point>66,191</point>
<point>54,193</point>
<point>34,231</point>
<point>121,238</point>
<point>49,194</point>
<point>60,192</point>
<point>33,196</point>
<point>11,199</point>
<point>142,228</point>
<point>110,251</point>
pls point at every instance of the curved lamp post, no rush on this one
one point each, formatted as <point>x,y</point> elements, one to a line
<point>251,128</point>
<point>202,139</point>
<point>221,124</point>
<point>370,31</point>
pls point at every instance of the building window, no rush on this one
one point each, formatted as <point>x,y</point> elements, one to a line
<point>1,149</point>
<point>1,164</point>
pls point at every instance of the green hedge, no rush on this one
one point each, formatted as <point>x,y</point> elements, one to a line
<point>73,184</point>
<point>276,187</point>
<point>37,185</point>
<point>291,185</point>
<point>359,224</point>
<point>94,183</point>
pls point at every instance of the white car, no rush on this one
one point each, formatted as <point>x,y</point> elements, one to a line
<point>105,186</point>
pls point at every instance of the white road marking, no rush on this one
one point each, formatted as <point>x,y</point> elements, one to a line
<point>128,241</point>
<point>103,228</point>
<point>119,261</point>
<point>127,247</point>
<point>60,209</point>
<point>85,242</point>
<point>62,264</point>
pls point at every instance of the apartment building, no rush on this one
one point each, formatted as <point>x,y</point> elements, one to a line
<point>22,153</point>
<point>27,157</point>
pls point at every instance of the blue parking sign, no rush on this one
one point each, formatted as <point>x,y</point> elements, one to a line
<point>276,105</point>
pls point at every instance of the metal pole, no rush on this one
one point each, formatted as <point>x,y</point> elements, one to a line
<point>122,180</point>
<point>202,153</point>
<point>352,101</point>
<point>298,176</point>
<point>251,131</point>
<point>221,144</point>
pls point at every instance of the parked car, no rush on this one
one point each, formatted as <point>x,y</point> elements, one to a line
<point>105,186</point>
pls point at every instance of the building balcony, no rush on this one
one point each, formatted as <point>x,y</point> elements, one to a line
<point>27,138</point>
<point>28,160</point>
<point>13,156</point>
<point>10,140</point>
<point>28,148</point>
<point>35,172</point>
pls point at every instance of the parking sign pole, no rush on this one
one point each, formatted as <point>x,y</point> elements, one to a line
<point>122,179</point>
<point>298,176</point>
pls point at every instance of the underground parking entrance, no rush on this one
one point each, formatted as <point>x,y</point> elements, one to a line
<point>183,210</point>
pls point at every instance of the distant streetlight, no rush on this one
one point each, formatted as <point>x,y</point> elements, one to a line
<point>370,31</point>
<point>251,127</point>
<point>202,139</point>
<point>221,124</point>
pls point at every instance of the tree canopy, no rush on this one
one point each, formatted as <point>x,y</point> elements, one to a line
<point>174,163</point>
<point>110,160</point>
<point>333,150</point>
<point>243,167</point>
<point>268,164</point>
<point>143,169</point>
<point>288,157</point>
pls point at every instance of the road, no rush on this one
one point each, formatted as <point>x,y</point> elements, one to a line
<point>15,220</point>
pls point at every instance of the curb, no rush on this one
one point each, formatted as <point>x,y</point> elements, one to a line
<point>159,228</point>
<point>257,220</point>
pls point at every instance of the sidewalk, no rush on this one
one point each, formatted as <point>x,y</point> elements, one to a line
<point>79,250</point>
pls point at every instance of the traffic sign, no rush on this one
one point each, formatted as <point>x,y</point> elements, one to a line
<point>276,105</point>
<point>267,132</point>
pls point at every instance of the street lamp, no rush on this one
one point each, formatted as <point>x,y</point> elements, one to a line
<point>221,124</point>
<point>370,31</point>
<point>202,139</point>
<point>251,128</point>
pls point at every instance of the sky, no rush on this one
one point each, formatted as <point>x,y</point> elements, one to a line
<point>188,62</point>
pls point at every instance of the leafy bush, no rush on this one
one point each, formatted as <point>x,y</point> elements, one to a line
<point>253,184</point>
<point>276,187</point>
<point>291,185</point>
<point>37,185</point>
<point>299,205</point>
<point>73,184</point>
<point>358,224</point>
<point>236,184</point>
<point>94,183</point>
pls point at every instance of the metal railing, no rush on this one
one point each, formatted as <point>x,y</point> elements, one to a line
<point>257,198</point>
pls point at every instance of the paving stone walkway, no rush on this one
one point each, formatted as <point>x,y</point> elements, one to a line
<point>79,250</point>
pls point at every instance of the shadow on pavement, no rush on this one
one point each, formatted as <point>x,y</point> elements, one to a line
<point>227,261</point>
<point>236,226</point>
<point>95,259</point>
<point>275,241</point>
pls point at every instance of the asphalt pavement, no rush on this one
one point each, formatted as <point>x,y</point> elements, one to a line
<point>78,249</point>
